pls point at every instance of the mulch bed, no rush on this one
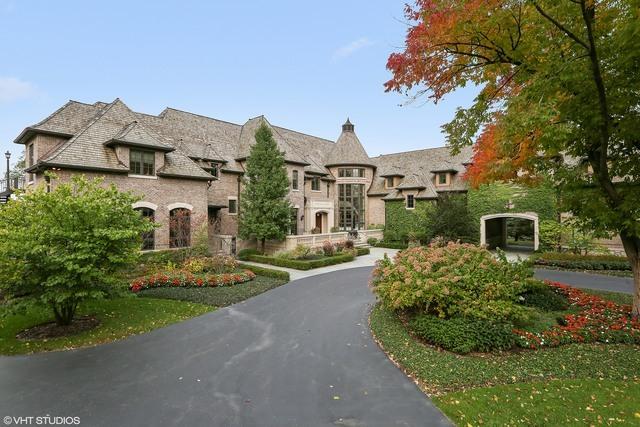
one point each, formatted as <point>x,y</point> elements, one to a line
<point>53,330</point>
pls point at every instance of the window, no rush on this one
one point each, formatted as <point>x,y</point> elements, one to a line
<point>148,238</point>
<point>351,206</point>
<point>215,169</point>
<point>443,178</point>
<point>179,228</point>
<point>294,180</point>
<point>411,203</point>
<point>328,188</point>
<point>294,222</point>
<point>351,172</point>
<point>315,183</point>
<point>233,206</point>
<point>142,162</point>
<point>390,182</point>
<point>32,176</point>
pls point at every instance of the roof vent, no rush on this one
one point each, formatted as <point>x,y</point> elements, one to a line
<point>347,126</point>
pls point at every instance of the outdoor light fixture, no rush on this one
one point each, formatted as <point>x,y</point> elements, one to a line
<point>8,156</point>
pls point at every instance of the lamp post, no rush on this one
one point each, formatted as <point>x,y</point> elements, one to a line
<point>8,156</point>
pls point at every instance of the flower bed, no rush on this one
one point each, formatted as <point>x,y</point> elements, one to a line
<point>186,279</point>
<point>596,321</point>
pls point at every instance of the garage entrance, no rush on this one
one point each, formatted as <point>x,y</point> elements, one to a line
<point>510,231</point>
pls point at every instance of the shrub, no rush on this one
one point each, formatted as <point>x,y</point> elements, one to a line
<point>335,229</point>
<point>244,254</point>
<point>375,227</point>
<point>372,241</point>
<point>390,245</point>
<point>327,248</point>
<point>215,264</point>
<point>362,251</point>
<point>348,244</point>
<point>462,334</point>
<point>316,230</point>
<point>583,262</point>
<point>303,264</point>
<point>194,265</point>
<point>61,247</point>
<point>186,279</point>
<point>267,272</point>
<point>454,280</point>
<point>544,298</point>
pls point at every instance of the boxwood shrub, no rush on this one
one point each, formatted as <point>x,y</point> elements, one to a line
<point>390,244</point>
<point>462,334</point>
<point>583,262</point>
<point>267,272</point>
<point>301,264</point>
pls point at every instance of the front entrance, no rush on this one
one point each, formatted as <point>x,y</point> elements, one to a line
<point>319,221</point>
<point>321,224</point>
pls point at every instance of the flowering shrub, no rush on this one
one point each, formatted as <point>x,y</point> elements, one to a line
<point>187,279</point>
<point>597,320</point>
<point>452,280</point>
<point>327,248</point>
<point>213,264</point>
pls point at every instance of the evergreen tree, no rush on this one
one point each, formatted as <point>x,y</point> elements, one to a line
<point>265,211</point>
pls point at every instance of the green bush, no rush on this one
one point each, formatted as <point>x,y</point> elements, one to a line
<point>302,264</point>
<point>452,280</point>
<point>267,272</point>
<point>174,256</point>
<point>545,299</point>
<point>372,241</point>
<point>462,334</point>
<point>244,254</point>
<point>583,262</point>
<point>390,244</point>
<point>362,251</point>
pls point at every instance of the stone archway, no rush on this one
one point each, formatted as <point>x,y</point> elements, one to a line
<point>321,221</point>
<point>502,217</point>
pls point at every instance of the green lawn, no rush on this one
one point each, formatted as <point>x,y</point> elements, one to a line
<point>119,318</point>
<point>579,384</point>
<point>219,296</point>
<point>553,403</point>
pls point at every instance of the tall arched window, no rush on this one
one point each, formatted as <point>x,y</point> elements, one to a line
<point>148,238</point>
<point>179,228</point>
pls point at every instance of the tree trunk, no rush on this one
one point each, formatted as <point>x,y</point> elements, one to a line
<point>64,312</point>
<point>262,244</point>
<point>632,249</point>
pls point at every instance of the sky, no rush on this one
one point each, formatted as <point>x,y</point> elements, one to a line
<point>305,66</point>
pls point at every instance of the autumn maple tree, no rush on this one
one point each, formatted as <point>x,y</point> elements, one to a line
<point>559,96</point>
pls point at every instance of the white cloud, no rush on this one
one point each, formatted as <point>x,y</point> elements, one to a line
<point>13,89</point>
<point>349,49</point>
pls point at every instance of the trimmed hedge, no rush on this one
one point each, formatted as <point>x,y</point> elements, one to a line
<point>463,335</point>
<point>244,254</point>
<point>300,264</point>
<point>391,245</point>
<point>363,251</point>
<point>267,272</point>
<point>583,262</point>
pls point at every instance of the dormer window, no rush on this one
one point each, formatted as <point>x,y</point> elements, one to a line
<point>389,182</point>
<point>215,169</point>
<point>442,178</point>
<point>142,162</point>
<point>315,183</point>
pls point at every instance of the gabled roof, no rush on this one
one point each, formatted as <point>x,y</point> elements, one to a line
<point>135,135</point>
<point>348,150</point>
<point>87,150</point>
<point>247,140</point>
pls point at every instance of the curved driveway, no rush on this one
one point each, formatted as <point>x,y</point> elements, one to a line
<point>299,355</point>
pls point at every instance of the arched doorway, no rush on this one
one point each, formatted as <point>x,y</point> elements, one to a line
<point>510,231</point>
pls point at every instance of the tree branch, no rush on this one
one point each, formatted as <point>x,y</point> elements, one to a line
<point>560,26</point>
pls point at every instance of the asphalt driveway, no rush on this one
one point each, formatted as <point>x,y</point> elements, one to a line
<point>587,280</point>
<point>299,355</point>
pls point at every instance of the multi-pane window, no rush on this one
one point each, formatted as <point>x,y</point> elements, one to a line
<point>148,238</point>
<point>294,180</point>
<point>443,178</point>
<point>411,203</point>
<point>328,188</point>
<point>233,206</point>
<point>142,162</point>
<point>315,183</point>
<point>31,162</point>
<point>351,206</point>
<point>179,228</point>
<point>351,172</point>
<point>294,222</point>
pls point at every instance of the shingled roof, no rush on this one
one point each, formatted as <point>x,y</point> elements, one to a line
<point>248,139</point>
<point>348,150</point>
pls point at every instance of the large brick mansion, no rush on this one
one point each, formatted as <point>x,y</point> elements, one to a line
<point>192,165</point>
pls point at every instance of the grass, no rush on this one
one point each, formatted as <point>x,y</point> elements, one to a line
<point>119,318</point>
<point>578,384</point>
<point>219,296</point>
<point>439,372</point>
<point>554,403</point>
